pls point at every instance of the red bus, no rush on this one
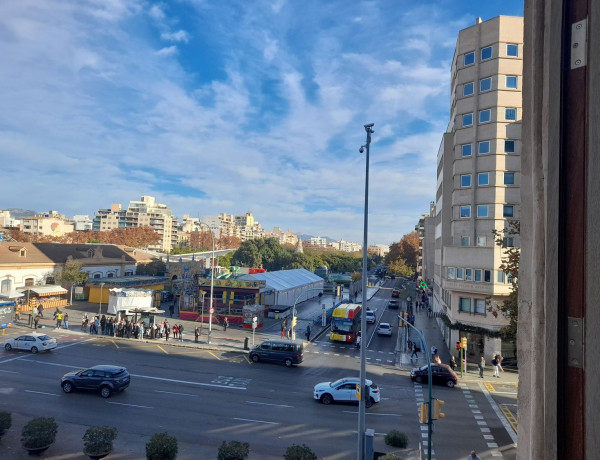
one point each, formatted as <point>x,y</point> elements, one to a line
<point>345,323</point>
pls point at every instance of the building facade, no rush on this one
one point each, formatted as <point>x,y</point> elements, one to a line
<point>49,223</point>
<point>478,183</point>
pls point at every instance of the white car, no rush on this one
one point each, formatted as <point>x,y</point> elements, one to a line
<point>32,342</point>
<point>384,329</point>
<point>344,390</point>
<point>370,316</point>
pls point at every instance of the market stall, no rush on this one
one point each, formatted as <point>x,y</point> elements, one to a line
<point>50,296</point>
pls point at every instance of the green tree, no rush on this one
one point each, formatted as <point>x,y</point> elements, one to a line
<point>70,275</point>
<point>403,255</point>
<point>155,268</point>
<point>511,256</point>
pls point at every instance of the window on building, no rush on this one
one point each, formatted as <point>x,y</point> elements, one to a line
<point>482,210</point>
<point>482,241</point>
<point>29,281</point>
<point>97,276</point>
<point>477,274</point>
<point>500,277</point>
<point>485,116</point>
<point>465,211</point>
<point>512,49</point>
<point>508,210</point>
<point>510,113</point>
<point>487,276</point>
<point>459,273</point>
<point>509,178</point>
<point>110,275</point>
<point>511,81</point>
<point>128,273</point>
<point>468,89</point>
<point>469,58</point>
<point>483,147</point>
<point>509,146</point>
<point>485,84</point>
<point>464,241</point>
<point>480,306</point>
<point>467,120</point>
<point>50,280</point>
<point>464,304</point>
<point>486,53</point>
<point>465,180</point>
<point>508,242</point>
<point>466,150</point>
<point>468,274</point>
<point>451,274</point>
<point>483,179</point>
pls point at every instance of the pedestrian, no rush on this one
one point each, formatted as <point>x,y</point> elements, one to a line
<point>196,334</point>
<point>40,309</point>
<point>225,324</point>
<point>141,330</point>
<point>495,363</point>
<point>289,333</point>
<point>66,320</point>
<point>283,328</point>
<point>55,317</point>
<point>180,331</point>
<point>500,358</point>
<point>481,367</point>
<point>473,456</point>
<point>434,351</point>
<point>452,363</point>
<point>308,331</point>
<point>414,352</point>
<point>36,320</point>
<point>103,324</point>
<point>175,331</point>
<point>167,332</point>
<point>84,322</point>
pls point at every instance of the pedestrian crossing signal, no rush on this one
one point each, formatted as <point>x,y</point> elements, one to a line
<point>437,409</point>
<point>423,413</point>
<point>294,321</point>
<point>423,285</point>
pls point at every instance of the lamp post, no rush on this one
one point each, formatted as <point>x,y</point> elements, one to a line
<point>100,302</point>
<point>363,320</point>
<point>212,280</point>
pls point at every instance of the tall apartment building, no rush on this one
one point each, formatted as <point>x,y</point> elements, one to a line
<point>478,189</point>
<point>143,213</point>
<point>426,257</point>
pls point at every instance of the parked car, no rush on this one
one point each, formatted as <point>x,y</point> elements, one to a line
<point>370,316</point>
<point>104,378</point>
<point>278,351</point>
<point>384,329</point>
<point>441,374</point>
<point>393,304</point>
<point>32,342</point>
<point>344,390</point>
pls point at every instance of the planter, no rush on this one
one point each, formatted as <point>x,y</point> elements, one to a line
<point>36,450</point>
<point>97,456</point>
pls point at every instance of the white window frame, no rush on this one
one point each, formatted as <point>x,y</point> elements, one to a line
<point>451,273</point>
<point>481,90</point>
<point>516,79</point>
<point>506,112</point>
<point>482,241</point>
<point>462,150</point>
<point>500,277</point>
<point>479,307</point>
<point>516,47</point>
<point>465,178</point>
<point>479,181</point>
<point>459,273</point>
<point>478,274</point>
<point>468,274</point>
<point>466,208</point>
<point>480,208</point>
<point>489,147</point>
<point>487,113</point>
<point>472,54</point>
<point>491,50</point>
<point>466,86</point>
<point>463,119</point>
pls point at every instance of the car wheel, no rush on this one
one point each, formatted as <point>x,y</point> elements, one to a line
<point>8,347</point>
<point>288,362</point>
<point>105,391</point>
<point>326,399</point>
<point>419,379</point>
<point>450,383</point>
<point>255,358</point>
<point>34,350</point>
<point>369,403</point>
<point>67,387</point>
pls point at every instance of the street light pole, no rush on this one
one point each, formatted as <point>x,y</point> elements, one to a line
<point>363,320</point>
<point>212,280</point>
<point>100,302</point>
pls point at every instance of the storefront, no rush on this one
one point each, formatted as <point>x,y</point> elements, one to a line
<point>50,296</point>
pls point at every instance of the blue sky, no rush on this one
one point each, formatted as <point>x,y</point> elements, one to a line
<point>230,106</point>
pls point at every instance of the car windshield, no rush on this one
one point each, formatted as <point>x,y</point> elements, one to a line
<point>44,337</point>
<point>384,326</point>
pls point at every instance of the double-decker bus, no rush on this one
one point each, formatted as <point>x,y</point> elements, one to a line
<point>345,323</point>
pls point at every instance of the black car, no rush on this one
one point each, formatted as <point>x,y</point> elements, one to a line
<point>441,374</point>
<point>393,304</point>
<point>103,378</point>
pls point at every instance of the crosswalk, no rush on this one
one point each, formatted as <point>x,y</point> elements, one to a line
<point>350,351</point>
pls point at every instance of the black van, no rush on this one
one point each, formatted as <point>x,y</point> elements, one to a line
<point>278,351</point>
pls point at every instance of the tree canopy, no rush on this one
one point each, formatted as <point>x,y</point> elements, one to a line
<point>403,255</point>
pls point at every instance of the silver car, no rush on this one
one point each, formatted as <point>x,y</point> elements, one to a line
<point>384,329</point>
<point>32,342</point>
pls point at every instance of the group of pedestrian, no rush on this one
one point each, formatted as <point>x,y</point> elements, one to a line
<point>496,363</point>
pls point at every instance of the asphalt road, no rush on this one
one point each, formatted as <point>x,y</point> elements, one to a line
<point>205,397</point>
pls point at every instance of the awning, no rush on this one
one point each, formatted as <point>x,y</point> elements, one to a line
<point>45,291</point>
<point>12,295</point>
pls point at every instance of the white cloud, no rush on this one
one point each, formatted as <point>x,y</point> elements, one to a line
<point>168,51</point>
<point>179,36</point>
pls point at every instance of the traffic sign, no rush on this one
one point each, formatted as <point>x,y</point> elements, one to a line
<point>212,310</point>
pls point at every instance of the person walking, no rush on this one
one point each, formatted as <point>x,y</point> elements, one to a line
<point>36,320</point>
<point>180,331</point>
<point>167,332</point>
<point>40,309</point>
<point>175,330</point>
<point>308,331</point>
<point>66,320</point>
<point>414,352</point>
<point>196,334</point>
<point>452,363</point>
<point>497,367</point>
<point>283,328</point>
<point>481,367</point>
<point>473,456</point>
<point>500,358</point>
<point>225,324</point>
<point>84,322</point>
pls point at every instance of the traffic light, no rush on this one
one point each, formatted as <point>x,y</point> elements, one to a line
<point>463,342</point>
<point>437,409</point>
<point>294,321</point>
<point>423,414</point>
<point>423,285</point>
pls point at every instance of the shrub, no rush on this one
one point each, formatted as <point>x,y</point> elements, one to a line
<point>98,439</point>
<point>162,446</point>
<point>390,457</point>
<point>39,432</point>
<point>234,450</point>
<point>5,422</point>
<point>396,439</point>
<point>302,452</point>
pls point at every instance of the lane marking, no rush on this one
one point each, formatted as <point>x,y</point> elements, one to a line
<point>255,421</point>
<point>496,409</point>
<point>130,405</point>
<point>512,419</point>
<point>8,372</point>
<point>174,393</point>
<point>267,404</point>
<point>214,355</point>
<point>115,344</point>
<point>163,349</point>
<point>41,393</point>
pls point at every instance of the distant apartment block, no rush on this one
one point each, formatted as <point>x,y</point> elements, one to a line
<point>82,223</point>
<point>426,256</point>
<point>241,226</point>
<point>50,223</point>
<point>379,249</point>
<point>318,241</point>
<point>289,238</point>
<point>478,191</point>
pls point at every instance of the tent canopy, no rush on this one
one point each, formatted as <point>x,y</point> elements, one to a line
<point>12,295</point>
<point>47,290</point>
